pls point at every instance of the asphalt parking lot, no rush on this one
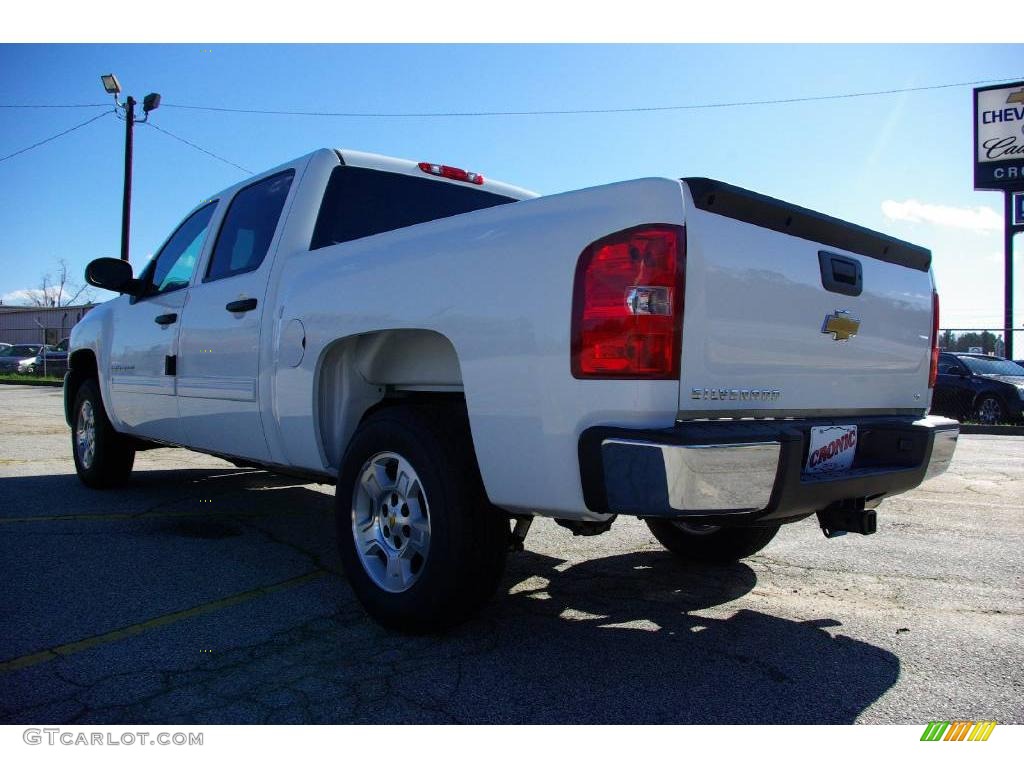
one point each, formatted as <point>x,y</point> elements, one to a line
<point>206,593</point>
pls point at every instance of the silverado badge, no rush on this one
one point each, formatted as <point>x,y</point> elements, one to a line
<point>841,324</point>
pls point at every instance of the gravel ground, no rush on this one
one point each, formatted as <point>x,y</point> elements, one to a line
<point>204,593</point>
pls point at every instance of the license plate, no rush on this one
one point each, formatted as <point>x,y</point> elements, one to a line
<point>832,449</point>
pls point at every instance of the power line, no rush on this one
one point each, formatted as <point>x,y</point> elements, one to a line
<point>49,106</point>
<point>610,110</point>
<point>57,136</point>
<point>514,113</point>
<point>196,146</point>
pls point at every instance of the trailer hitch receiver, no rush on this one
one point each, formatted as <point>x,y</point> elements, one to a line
<point>847,516</point>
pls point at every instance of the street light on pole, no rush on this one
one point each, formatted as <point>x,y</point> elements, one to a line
<point>112,86</point>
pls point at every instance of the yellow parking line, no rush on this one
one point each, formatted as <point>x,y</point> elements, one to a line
<point>145,515</point>
<point>168,618</point>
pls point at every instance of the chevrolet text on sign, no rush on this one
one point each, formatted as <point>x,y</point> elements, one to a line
<point>999,136</point>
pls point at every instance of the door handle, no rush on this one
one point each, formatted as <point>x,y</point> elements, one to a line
<point>242,305</point>
<point>165,319</point>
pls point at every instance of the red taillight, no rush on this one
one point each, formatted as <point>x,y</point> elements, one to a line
<point>627,305</point>
<point>933,369</point>
<point>450,172</point>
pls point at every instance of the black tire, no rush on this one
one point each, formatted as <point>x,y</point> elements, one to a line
<point>713,545</point>
<point>113,455</point>
<point>468,537</point>
<point>989,408</point>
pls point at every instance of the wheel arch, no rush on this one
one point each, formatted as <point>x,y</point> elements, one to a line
<point>357,375</point>
<point>82,366</point>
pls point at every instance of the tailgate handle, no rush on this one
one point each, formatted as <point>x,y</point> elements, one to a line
<point>841,274</point>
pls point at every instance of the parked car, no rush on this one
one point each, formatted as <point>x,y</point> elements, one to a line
<point>55,362</point>
<point>980,388</point>
<point>4,346</point>
<point>20,358</point>
<point>456,353</point>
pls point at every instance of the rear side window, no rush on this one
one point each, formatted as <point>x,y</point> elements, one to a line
<point>249,226</point>
<point>360,202</point>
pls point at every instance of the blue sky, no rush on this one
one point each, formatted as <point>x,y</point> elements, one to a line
<point>900,163</point>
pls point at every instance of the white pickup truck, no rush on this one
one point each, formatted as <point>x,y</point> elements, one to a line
<point>459,355</point>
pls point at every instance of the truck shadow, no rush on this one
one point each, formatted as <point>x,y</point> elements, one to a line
<point>627,638</point>
<point>630,639</point>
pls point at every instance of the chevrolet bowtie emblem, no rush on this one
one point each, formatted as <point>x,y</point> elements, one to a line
<point>841,325</point>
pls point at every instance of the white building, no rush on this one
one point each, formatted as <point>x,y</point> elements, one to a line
<point>38,325</point>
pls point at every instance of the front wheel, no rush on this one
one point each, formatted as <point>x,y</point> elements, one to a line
<point>103,458</point>
<point>420,544</point>
<point>711,543</point>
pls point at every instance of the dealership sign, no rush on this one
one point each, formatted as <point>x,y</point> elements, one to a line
<point>999,137</point>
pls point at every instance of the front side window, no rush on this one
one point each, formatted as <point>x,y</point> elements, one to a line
<point>950,365</point>
<point>173,266</point>
<point>249,227</point>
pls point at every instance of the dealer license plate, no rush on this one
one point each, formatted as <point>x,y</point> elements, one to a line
<point>832,449</point>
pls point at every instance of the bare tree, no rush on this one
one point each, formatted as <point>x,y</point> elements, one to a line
<point>59,291</point>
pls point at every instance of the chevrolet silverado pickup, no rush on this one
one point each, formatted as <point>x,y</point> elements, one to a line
<point>460,355</point>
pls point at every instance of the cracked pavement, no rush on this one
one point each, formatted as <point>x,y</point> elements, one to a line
<point>202,593</point>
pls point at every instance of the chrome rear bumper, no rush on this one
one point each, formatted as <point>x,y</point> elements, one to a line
<point>698,477</point>
<point>752,469</point>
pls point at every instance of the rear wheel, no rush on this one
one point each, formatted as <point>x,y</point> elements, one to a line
<point>711,543</point>
<point>990,409</point>
<point>103,458</point>
<point>420,544</point>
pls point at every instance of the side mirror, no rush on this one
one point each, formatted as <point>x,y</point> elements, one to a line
<point>113,275</point>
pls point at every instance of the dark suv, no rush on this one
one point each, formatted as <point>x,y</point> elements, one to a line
<point>56,362</point>
<point>983,388</point>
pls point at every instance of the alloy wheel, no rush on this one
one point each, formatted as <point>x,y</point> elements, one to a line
<point>391,522</point>
<point>990,411</point>
<point>85,434</point>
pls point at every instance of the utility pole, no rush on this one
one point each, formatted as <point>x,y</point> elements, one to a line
<point>112,86</point>
<point>126,205</point>
<point>1013,222</point>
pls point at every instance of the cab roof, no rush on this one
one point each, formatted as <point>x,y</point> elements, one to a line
<point>376,162</point>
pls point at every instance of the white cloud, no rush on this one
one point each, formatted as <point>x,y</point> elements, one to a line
<point>19,298</point>
<point>977,219</point>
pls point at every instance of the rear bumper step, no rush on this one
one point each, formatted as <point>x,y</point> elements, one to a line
<point>742,472</point>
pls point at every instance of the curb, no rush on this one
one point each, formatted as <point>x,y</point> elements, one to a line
<point>33,383</point>
<point>987,429</point>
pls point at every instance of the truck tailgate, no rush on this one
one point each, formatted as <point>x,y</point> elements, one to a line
<point>770,298</point>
